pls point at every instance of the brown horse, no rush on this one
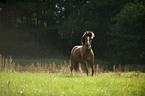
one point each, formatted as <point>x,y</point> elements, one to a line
<point>83,54</point>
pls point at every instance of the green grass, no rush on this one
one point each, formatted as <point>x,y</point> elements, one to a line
<point>47,84</point>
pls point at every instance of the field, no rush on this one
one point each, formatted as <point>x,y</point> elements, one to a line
<point>37,78</point>
<point>47,84</point>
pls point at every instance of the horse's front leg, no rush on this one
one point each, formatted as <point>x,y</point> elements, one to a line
<point>91,62</point>
<point>86,67</point>
<point>92,67</point>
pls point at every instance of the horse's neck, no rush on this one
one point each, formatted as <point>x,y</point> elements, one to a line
<point>84,49</point>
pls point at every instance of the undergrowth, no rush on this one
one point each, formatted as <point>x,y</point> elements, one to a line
<point>49,66</point>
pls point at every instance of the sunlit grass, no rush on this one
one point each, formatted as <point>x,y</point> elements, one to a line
<point>47,84</point>
<point>51,77</point>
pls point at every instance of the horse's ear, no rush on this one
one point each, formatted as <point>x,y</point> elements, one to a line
<point>93,35</point>
<point>83,39</point>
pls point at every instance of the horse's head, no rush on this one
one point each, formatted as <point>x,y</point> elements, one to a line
<point>87,39</point>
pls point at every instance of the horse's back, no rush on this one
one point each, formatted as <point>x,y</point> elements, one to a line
<point>75,48</point>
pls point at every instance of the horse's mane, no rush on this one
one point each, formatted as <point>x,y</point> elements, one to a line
<point>87,33</point>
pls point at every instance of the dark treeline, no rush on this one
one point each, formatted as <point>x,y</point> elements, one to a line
<point>50,28</point>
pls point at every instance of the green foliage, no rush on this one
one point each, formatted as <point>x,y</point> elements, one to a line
<point>127,34</point>
<point>110,84</point>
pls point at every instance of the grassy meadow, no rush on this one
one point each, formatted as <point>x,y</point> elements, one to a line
<point>48,84</point>
<point>52,77</point>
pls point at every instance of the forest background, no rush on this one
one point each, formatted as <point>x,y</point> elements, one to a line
<point>50,28</point>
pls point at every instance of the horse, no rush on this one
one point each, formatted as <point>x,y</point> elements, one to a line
<point>83,54</point>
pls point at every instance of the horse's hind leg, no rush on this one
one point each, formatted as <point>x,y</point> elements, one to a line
<point>72,66</point>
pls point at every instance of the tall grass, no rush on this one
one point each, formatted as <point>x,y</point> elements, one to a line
<point>6,64</point>
<point>9,65</point>
<point>56,66</point>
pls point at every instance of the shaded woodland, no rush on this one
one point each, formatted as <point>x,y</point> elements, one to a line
<point>50,28</point>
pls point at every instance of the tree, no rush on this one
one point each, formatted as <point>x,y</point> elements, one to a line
<point>127,42</point>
